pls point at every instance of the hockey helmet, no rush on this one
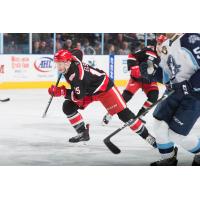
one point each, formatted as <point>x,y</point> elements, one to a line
<point>161,38</point>
<point>63,56</point>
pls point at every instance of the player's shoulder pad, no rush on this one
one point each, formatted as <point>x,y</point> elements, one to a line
<point>190,39</point>
<point>150,52</point>
<point>77,53</point>
<point>78,57</point>
<point>78,70</point>
<point>191,43</point>
<point>132,56</point>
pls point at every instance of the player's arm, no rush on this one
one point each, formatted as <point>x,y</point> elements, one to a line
<point>133,66</point>
<point>150,68</point>
<point>153,61</point>
<point>77,84</point>
<point>190,42</point>
<point>77,90</point>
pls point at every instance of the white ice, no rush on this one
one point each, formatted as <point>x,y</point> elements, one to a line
<point>28,139</point>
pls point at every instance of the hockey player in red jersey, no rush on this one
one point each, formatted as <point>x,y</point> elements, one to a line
<point>90,84</point>
<point>146,56</point>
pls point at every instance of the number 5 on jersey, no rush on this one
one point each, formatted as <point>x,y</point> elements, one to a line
<point>197,52</point>
<point>77,90</point>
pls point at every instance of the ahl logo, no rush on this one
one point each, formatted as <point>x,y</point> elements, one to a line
<point>174,68</point>
<point>44,64</point>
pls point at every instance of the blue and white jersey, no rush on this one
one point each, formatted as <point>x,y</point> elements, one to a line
<point>180,57</point>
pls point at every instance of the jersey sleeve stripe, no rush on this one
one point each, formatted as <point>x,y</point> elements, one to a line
<point>80,68</point>
<point>132,59</point>
<point>151,54</point>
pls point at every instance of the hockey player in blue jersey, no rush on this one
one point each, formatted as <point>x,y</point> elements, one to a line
<point>175,116</point>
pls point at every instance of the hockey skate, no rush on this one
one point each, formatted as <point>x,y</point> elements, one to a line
<point>169,161</point>
<point>106,119</point>
<point>83,136</point>
<point>196,161</point>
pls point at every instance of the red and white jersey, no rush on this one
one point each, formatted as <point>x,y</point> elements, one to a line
<point>86,80</point>
<point>141,56</point>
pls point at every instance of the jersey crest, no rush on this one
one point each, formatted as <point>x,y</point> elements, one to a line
<point>173,66</point>
<point>193,39</point>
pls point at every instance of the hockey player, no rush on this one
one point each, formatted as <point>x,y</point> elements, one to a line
<point>141,57</point>
<point>1,81</point>
<point>175,116</point>
<point>90,84</point>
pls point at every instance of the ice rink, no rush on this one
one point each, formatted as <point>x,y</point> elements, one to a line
<point>28,139</point>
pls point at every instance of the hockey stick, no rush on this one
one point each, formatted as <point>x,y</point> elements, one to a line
<point>51,98</point>
<point>111,146</point>
<point>5,100</point>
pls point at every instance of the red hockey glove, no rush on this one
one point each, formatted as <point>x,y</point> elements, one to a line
<point>135,72</point>
<point>57,91</point>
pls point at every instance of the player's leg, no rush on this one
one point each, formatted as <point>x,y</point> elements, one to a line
<point>115,104</point>
<point>152,92</point>
<point>182,123</point>
<point>162,117</point>
<point>165,145</point>
<point>76,120</point>
<point>131,88</point>
<point>191,143</point>
<point>138,127</point>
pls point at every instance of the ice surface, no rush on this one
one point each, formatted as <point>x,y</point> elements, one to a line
<point>28,139</point>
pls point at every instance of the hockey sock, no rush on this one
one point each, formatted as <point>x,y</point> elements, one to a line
<point>166,150</point>
<point>196,149</point>
<point>137,125</point>
<point>127,95</point>
<point>77,122</point>
<point>140,129</point>
<point>147,104</point>
<point>164,144</point>
<point>190,143</point>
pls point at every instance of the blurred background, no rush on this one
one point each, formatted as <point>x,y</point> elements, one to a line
<point>89,43</point>
<point>26,59</point>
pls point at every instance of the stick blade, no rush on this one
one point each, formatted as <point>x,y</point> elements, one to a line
<point>44,115</point>
<point>113,148</point>
<point>5,100</point>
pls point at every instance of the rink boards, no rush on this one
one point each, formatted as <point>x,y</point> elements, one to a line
<point>38,71</point>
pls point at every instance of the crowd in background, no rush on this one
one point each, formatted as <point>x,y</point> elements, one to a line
<point>89,43</point>
<point>16,43</point>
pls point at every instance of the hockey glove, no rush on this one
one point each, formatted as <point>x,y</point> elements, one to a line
<point>181,89</point>
<point>195,84</point>
<point>57,91</point>
<point>135,71</point>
